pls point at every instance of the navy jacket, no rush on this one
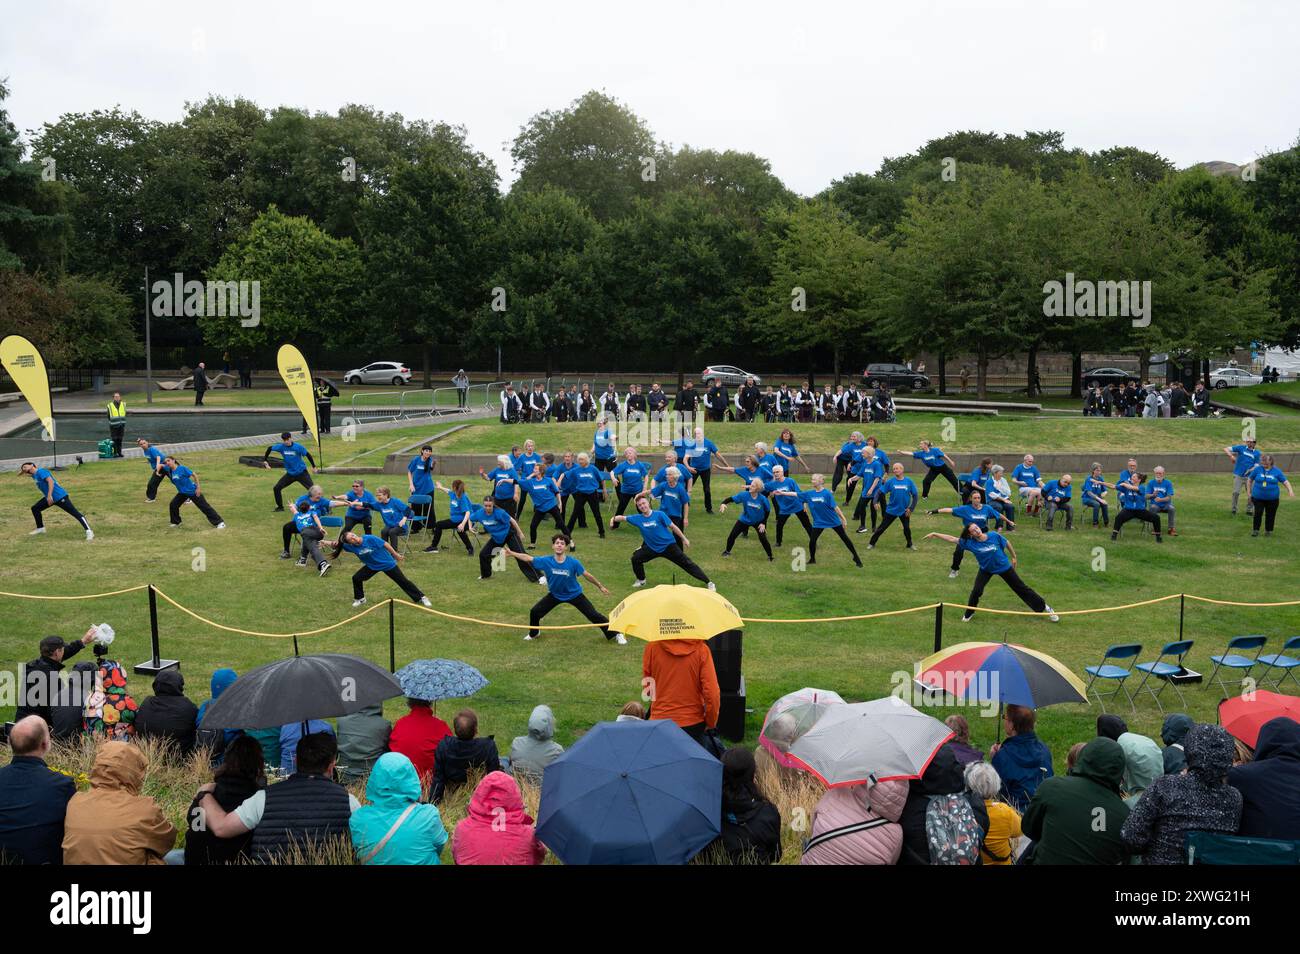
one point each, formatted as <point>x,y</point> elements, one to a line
<point>33,801</point>
<point>1270,785</point>
<point>1022,762</point>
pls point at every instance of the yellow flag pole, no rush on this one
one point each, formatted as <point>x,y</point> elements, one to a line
<point>298,379</point>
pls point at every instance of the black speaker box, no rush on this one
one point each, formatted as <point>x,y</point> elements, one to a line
<point>725,648</point>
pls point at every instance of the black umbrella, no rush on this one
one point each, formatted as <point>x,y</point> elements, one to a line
<point>301,688</point>
<point>334,388</point>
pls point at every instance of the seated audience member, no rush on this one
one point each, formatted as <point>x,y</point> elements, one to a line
<point>631,712</point>
<point>961,816</point>
<point>68,714</point>
<point>840,835</point>
<point>1004,821</point>
<point>496,830</point>
<point>110,709</point>
<point>363,737</point>
<point>1111,726</point>
<point>1172,731</point>
<point>1199,799</point>
<point>1143,764</point>
<point>395,829</point>
<point>291,734</point>
<point>113,824</point>
<point>1241,753</point>
<point>1061,819</point>
<point>531,753</point>
<point>1270,785</point>
<point>240,775</point>
<point>33,798</point>
<point>1022,761</point>
<point>41,671</point>
<point>751,824</point>
<point>308,809</point>
<point>459,753</point>
<point>269,740</point>
<point>217,740</point>
<point>167,716</point>
<point>1072,757</point>
<point>417,735</point>
<point>960,741</point>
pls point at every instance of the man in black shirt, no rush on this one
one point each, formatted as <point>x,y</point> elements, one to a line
<point>716,401</point>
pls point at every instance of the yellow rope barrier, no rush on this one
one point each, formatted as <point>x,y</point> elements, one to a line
<point>252,632</point>
<point>88,596</point>
<point>1206,599</point>
<point>488,622</point>
<point>842,619</point>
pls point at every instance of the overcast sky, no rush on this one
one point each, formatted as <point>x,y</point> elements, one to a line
<point>819,89</point>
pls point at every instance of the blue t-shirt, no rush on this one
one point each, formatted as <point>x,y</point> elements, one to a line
<point>1268,482</point>
<point>524,464</point>
<point>1030,475</point>
<point>784,504</point>
<point>656,529</point>
<point>822,507</point>
<point>932,457</point>
<point>588,480</point>
<point>698,454</point>
<point>1092,488</point>
<point>301,521</point>
<point>1133,499</point>
<point>561,578</point>
<point>748,474</point>
<point>990,553</point>
<point>182,478</point>
<point>45,480</point>
<point>320,507</point>
<point>542,493</point>
<point>683,475</point>
<point>902,495</point>
<point>883,458</point>
<point>496,524</point>
<point>753,510</point>
<point>982,517</point>
<point>394,512</point>
<point>1054,490</point>
<point>1247,459</point>
<point>851,452</point>
<point>786,448</point>
<point>603,442</point>
<point>460,505</point>
<point>870,472</point>
<point>1161,488</point>
<point>769,461</point>
<point>368,503</point>
<point>503,482</point>
<point>631,477</point>
<point>294,457</point>
<point>153,456</point>
<point>372,552</point>
<point>421,472</point>
<point>672,500</point>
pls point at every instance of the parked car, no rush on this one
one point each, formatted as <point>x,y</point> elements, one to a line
<point>897,376</point>
<point>1233,378</point>
<point>728,374</point>
<point>1108,376</point>
<point>380,372</point>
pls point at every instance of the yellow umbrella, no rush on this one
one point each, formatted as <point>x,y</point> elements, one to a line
<point>674,612</point>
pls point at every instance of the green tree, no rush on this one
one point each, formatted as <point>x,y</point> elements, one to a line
<point>30,219</point>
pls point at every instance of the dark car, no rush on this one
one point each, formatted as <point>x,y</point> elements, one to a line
<point>897,376</point>
<point>1108,376</point>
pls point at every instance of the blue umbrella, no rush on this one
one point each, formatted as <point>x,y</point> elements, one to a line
<point>631,793</point>
<point>433,679</point>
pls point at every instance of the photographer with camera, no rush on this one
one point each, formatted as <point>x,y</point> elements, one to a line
<point>41,675</point>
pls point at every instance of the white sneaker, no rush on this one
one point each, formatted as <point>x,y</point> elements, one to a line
<point>713,586</point>
<point>302,561</point>
<point>90,534</point>
<point>541,579</point>
<point>360,602</point>
<point>529,639</point>
<point>221,526</point>
<point>36,531</point>
<point>324,568</point>
<point>1051,614</point>
<point>637,584</point>
<point>967,619</point>
<point>952,574</point>
<point>424,601</point>
<point>620,639</point>
<point>175,525</point>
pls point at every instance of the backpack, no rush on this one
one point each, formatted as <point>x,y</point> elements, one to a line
<point>951,832</point>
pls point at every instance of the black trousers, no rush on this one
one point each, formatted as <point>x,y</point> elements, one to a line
<point>198,396</point>
<point>199,501</point>
<point>539,516</point>
<point>1146,516</point>
<point>1265,511</point>
<point>65,505</point>
<point>395,574</point>
<point>703,476</point>
<point>519,506</point>
<point>393,535</point>
<point>428,511</point>
<point>945,472</point>
<point>623,501</point>
<point>605,464</point>
<point>781,518</point>
<point>841,466</point>
<point>904,519</point>
<point>564,511</point>
<point>288,480</point>
<point>508,505</point>
<point>324,410</point>
<point>579,602</point>
<point>155,481</point>
<point>860,511</point>
<point>957,553</point>
<point>744,528</point>
<point>1013,580</point>
<point>117,432</point>
<point>287,532</point>
<point>580,501</point>
<point>442,525</point>
<point>673,553</point>
<point>512,541</point>
<point>815,534</point>
<point>350,521</point>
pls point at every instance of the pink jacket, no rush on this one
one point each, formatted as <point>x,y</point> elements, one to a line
<point>849,806</point>
<point>497,830</point>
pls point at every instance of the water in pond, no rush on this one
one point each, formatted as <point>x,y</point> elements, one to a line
<point>168,428</point>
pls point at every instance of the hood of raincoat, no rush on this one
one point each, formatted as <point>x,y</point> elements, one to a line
<point>1143,761</point>
<point>1111,726</point>
<point>222,679</point>
<point>498,791</point>
<point>1278,739</point>
<point>541,724</point>
<point>1175,727</point>
<point>393,782</point>
<point>1102,761</point>
<point>678,647</point>
<point>169,682</point>
<point>120,766</point>
<point>1209,751</point>
<point>943,776</point>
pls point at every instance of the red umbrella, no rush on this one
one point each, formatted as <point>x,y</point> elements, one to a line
<point>1245,715</point>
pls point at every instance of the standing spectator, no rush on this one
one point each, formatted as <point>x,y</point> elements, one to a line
<point>41,675</point>
<point>1004,821</point>
<point>117,422</point>
<point>461,383</point>
<point>1199,799</point>
<point>965,377</point>
<point>960,742</point>
<point>1178,400</point>
<point>747,400</point>
<point>1265,487</point>
<point>1076,819</point>
<point>33,799</point>
<point>511,406</point>
<point>363,738</point>
<point>167,715</point>
<point>531,753</point>
<point>240,776</point>
<point>113,824</point>
<point>325,394</point>
<point>1152,402</point>
<point>200,383</point>
<point>656,401</point>
<point>1201,400</point>
<point>1022,761</point>
<point>716,400</point>
<point>586,403</point>
<point>857,825</point>
<point>459,753</point>
<point>417,735</point>
<point>564,408</point>
<point>938,803</point>
<point>395,829</point>
<point>1270,785</point>
<point>751,824</point>
<point>497,830</point>
<point>539,404</point>
<point>683,684</point>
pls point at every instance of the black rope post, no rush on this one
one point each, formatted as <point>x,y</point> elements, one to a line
<point>155,663</point>
<point>295,645</point>
<point>392,640</point>
<point>1182,602</point>
<point>938,627</point>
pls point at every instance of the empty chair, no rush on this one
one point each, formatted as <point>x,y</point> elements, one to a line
<point>1279,661</point>
<point>1165,666</point>
<point>1234,658</point>
<point>1117,674</point>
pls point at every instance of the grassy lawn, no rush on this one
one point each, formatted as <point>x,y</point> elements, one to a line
<point>243,584</point>
<point>278,397</point>
<point>1253,397</point>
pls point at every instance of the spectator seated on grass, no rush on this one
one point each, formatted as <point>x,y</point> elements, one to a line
<point>1270,785</point>
<point>960,741</point>
<point>1004,821</point>
<point>531,753</point>
<point>497,830</point>
<point>751,824</point>
<point>1022,761</point>
<point>1062,817</point>
<point>68,714</point>
<point>113,824</point>
<point>290,735</point>
<point>167,715</point>
<point>217,740</point>
<point>363,738</point>
<point>459,753</point>
<point>417,736</point>
<point>394,828</point>
<point>1172,731</point>
<point>239,776</point>
<point>1143,764</point>
<point>1072,757</point>
<point>631,712</point>
<point>839,834</point>
<point>307,810</point>
<point>942,822</point>
<point>33,799</point>
<point>1111,726</point>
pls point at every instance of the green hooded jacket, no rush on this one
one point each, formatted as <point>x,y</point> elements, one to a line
<point>1076,819</point>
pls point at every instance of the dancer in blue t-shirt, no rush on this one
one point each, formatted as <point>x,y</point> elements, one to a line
<point>659,538</point>
<point>996,557</point>
<point>52,495</point>
<point>562,574</point>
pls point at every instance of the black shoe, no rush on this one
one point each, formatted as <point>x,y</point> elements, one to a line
<point>278,510</point>
<point>1114,534</point>
<point>857,563</point>
<point>430,549</point>
<point>1254,533</point>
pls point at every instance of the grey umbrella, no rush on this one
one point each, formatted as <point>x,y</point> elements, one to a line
<point>301,688</point>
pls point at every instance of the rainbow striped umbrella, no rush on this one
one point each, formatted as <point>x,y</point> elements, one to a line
<point>1002,673</point>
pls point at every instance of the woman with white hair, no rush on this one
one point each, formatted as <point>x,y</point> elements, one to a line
<point>983,781</point>
<point>505,483</point>
<point>588,491</point>
<point>997,493</point>
<point>754,508</point>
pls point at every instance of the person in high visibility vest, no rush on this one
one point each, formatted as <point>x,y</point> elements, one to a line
<point>117,422</point>
<point>324,403</point>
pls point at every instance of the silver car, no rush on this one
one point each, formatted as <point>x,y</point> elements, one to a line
<point>380,372</point>
<point>728,374</point>
<point>1234,378</point>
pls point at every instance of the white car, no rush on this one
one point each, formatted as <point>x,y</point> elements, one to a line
<point>728,374</point>
<point>1233,378</point>
<point>380,372</point>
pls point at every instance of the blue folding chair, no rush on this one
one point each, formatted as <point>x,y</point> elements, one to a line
<point>1288,664</point>
<point>331,522</point>
<point>1234,658</point>
<point>1117,674</point>
<point>417,521</point>
<point>1211,848</point>
<point>1164,671</point>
